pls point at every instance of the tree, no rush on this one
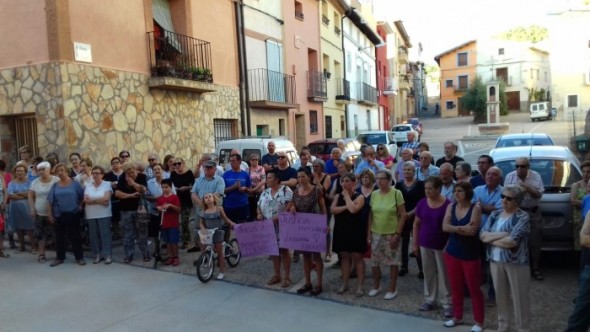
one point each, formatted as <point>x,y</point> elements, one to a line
<point>533,34</point>
<point>475,100</point>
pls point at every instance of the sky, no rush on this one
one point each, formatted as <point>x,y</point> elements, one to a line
<point>443,24</point>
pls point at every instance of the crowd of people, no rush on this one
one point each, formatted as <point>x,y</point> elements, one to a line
<point>382,209</point>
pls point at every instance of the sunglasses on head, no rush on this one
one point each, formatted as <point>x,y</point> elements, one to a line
<point>508,198</point>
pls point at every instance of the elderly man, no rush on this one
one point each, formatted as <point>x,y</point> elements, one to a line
<point>208,182</point>
<point>286,174</point>
<point>484,162</point>
<point>533,187</point>
<point>446,175</point>
<point>149,170</point>
<point>411,143</point>
<point>243,165</point>
<point>369,162</point>
<point>426,169</point>
<point>450,155</point>
<point>406,155</point>
<point>488,197</point>
<point>271,159</point>
<point>342,146</point>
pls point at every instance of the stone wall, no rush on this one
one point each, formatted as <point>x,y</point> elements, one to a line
<point>99,112</point>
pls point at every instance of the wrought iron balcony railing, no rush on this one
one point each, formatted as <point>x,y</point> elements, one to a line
<point>366,93</point>
<point>342,90</point>
<point>271,86</point>
<point>317,88</point>
<point>179,56</point>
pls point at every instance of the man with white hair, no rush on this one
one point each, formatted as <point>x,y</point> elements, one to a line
<point>369,162</point>
<point>342,146</point>
<point>149,170</point>
<point>406,155</point>
<point>448,183</point>
<point>426,168</point>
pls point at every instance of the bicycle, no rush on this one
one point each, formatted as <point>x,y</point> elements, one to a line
<point>205,264</point>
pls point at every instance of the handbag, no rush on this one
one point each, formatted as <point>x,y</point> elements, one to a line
<point>143,214</point>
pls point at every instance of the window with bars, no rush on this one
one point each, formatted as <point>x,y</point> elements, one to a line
<point>26,133</point>
<point>224,129</point>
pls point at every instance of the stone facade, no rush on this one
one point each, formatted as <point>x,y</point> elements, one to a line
<point>99,112</point>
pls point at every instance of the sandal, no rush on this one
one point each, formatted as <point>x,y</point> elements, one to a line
<point>286,283</point>
<point>4,254</point>
<point>305,289</point>
<point>274,280</point>
<point>41,258</point>
<point>316,291</point>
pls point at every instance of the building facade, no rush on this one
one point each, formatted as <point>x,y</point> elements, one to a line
<point>385,85</point>
<point>151,80</point>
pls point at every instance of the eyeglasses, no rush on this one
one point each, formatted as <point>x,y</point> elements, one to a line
<point>508,198</point>
<point>380,178</point>
<point>177,164</point>
<point>521,166</point>
<point>282,157</point>
<point>125,156</point>
<point>151,159</point>
<point>253,159</point>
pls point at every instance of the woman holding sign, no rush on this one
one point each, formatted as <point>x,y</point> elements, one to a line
<point>273,200</point>
<point>350,232</point>
<point>307,198</point>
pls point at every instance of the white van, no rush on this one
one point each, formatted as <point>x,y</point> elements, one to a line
<point>248,146</point>
<point>540,110</point>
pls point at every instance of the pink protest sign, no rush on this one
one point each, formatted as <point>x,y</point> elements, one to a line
<point>303,231</point>
<point>257,238</point>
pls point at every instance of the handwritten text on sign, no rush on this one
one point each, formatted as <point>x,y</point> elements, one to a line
<point>257,238</point>
<point>303,231</point>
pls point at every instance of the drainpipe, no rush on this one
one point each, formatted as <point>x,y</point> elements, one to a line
<point>346,13</point>
<point>243,70</point>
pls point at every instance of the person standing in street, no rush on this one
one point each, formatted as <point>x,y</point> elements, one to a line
<point>533,187</point>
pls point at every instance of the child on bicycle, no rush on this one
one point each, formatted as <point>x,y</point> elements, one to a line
<point>213,216</point>
<point>169,205</point>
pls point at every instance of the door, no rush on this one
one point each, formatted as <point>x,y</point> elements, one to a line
<point>513,100</point>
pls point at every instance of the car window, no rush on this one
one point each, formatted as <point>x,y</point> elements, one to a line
<point>224,156</point>
<point>372,139</point>
<point>356,145</point>
<point>524,142</point>
<point>401,128</point>
<point>391,137</point>
<point>554,173</point>
<point>322,148</point>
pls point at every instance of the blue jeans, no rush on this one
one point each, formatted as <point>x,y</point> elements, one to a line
<point>580,319</point>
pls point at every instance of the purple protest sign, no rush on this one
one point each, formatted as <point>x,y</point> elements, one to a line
<point>303,231</point>
<point>257,238</point>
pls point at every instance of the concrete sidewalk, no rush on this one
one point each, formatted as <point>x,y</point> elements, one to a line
<point>117,297</point>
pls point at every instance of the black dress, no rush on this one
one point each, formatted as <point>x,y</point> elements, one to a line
<point>350,230</point>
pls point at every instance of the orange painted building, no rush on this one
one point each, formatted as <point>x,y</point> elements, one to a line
<point>458,67</point>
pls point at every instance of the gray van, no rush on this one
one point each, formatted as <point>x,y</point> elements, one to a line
<point>248,146</point>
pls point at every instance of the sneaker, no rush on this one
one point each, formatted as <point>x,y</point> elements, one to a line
<point>452,323</point>
<point>373,292</point>
<point>108,260</point>
<point>476,328</point>
<point>390,295</point>
<point>448,312</point>
<point>426,306</point>
<point>220,276</point>
<point>81,262</point>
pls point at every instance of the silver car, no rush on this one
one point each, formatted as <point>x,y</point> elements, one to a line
<point>510,140</point>
<point>559,168</point>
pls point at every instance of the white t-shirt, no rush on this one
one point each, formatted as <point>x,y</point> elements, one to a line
<point>94,211</point>
<point>83,179</point>
<point>41,190</point>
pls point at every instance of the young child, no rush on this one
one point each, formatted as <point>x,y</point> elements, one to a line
<point>169,205</point>
<point>213,216</point>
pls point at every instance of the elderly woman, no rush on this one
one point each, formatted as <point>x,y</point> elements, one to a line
<point>85,175</point>
<point>462,255</point>
<point>412,190</point>
<point>258,180</point>
<point>129,190</point>
<point>306,198</point>
<point>386,222</point>
<point>462,172</point>
<point>577,194</point>
<point>332,164</point>
<point>38,206</point>
<point>506,235</point>
<point>65,200</point>
<point>384,156</point>
<point>275,199</point>
<point>429,242</point>
<point>19,217</point>
<point>183,180</point>
<point>97,200</point>
<point>406,155</point>
<point>350,232</point>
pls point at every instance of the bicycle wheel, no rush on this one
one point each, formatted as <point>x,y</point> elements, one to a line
<point>233,254</point>
<point>205,266</point>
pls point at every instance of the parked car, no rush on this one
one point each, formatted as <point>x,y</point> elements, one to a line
<point>511,140</point>
<point>417,126</point>
<point>323,148</point>
<point>376,137</point>
<point>401,131</point>
<point>247,146</point>
<point>541,110</point>
<point>559,169</point>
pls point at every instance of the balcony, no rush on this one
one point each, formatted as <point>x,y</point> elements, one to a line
<point>388,86</point>
<point>325,20</point>
<point>402,55</point>
<point>342,91</point>
<point>180,62</point>
<point>317,89</point>
<point>366,94</point>
<point>460,89</point>
<point>271,90</point>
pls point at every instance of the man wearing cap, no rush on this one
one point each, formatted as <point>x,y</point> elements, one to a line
<point>208,182</point>
<point>200,168</point>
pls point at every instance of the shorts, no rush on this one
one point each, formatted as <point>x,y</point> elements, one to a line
<point>171,235</point>
<point>381,251</point>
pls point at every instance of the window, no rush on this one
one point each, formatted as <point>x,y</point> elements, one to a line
<point>572,101</point>
<point>224,129</point>
<point>450,105</point>
<point>500,51</point>
<point>328,125</point>
<point>462,59</point>
<point>26,133</point>
<point>299,10</point>
<point>448,83</point>
<point>313,122</point>
<point>463,82</point>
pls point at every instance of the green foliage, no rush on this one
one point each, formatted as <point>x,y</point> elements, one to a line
<point>503,100</point>
<point>537,95</point>
<point>533,33</point>
<point>474,99</point>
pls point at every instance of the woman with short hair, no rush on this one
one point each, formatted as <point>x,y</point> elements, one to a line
<point>462,172</point>
<point>506,235</point>
<point>384,156</point>
<point>97,200</point>
<point>19,218</point>
<point>258,180</point>
<point>38,192</point>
